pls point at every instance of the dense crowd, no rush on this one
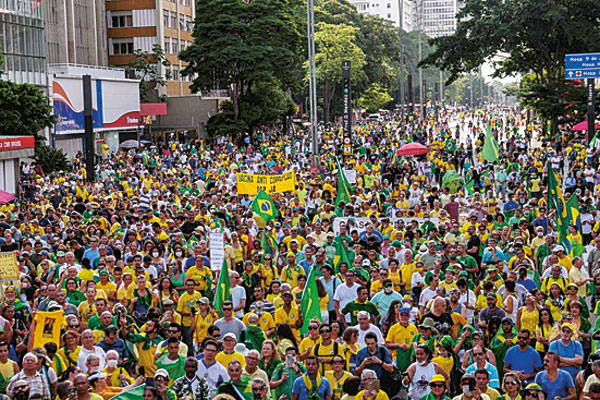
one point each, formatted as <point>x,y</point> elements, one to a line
<point>440,276</point>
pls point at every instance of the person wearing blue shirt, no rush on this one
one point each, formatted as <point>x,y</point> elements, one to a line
<point>555,382</point>
<point>306,386</point>
<point>373,357</point>
<point>569,351</point>
<point>384,299</point>
<point>481,363</point>
<point>523,359</point>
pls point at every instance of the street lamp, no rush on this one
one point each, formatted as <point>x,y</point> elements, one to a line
<point>312,80</point>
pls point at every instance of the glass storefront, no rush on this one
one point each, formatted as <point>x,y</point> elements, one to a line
<point>22,42</point>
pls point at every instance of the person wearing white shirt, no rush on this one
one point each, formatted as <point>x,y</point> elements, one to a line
<point>87,348</point>
<point>365,326</point>
<point>344,294</point>
<point>238,295</point>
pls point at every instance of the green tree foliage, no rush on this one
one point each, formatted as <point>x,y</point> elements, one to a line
<point>529,35</point>
<point>335,43</point>
<point>51,159</point>
<point>24,109</point>
<point>145,66</point>
<point>240,43</point>
<point>374,98</point>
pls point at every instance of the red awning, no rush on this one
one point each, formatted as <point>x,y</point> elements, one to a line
<point>153,109</point>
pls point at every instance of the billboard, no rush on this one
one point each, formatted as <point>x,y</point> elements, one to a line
<point>115,103</point>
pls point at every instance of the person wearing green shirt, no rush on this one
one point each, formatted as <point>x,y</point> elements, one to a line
<point>240,387</point>
<point>360,304</point>
<point>172,362</point>
<point>285,374</point>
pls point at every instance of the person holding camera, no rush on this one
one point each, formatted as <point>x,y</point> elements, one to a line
<point>372,390</point>
<point>285,374</point>
<point>470,390</point>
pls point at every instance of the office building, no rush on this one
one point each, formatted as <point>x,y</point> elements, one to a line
<point>438,17</point>
<point>399,12</point>
<point>141,24</point>
<point>76,32</point>
<point>22,44</point>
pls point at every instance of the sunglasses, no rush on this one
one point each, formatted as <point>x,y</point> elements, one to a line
<point>160,379</point>
<point>325,330</point>
<point>511,382</point>
<point>437,385</point>
<point>477,354</point>
<point>226,309</point>
<point>566,331</point>
<point>312,328</point>
<point>522,338</point>
<point>534,394</point>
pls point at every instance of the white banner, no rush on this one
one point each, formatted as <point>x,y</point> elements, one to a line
<point>217,250</point>
<point>361,223</point>
<point>350,175</point>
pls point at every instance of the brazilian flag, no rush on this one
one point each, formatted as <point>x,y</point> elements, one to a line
<point>263,206</point>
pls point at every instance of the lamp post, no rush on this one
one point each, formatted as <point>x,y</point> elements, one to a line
<point>312,80</point>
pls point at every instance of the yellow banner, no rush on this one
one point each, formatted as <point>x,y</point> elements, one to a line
<point>47,327</point>
<point>251,183</point>
<point>8,266</point>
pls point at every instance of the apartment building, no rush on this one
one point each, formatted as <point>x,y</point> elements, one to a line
<point>140,24</point>
<point>400,12</point>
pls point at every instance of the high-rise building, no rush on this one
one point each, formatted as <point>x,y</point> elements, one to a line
<point>140,24</point>
<point>76,32</point>
<point>399,12</point>
<point>438,17</point>
<point>22,44</point>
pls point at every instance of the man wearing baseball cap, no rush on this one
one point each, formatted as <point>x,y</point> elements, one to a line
<point>400,337</point>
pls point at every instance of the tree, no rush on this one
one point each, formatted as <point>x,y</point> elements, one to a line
<point>239,43</point>
<point>51,159</point>
<point>374,97</point>
<point>334,44</point>
<point>524,36</point>
<point>24,110</point>
<point>145,66</point>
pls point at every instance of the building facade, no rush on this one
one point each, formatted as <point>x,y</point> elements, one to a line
<point>140,24</point>
<point>438,17</point>
<point>400,12</point>
<point>22,42</point>
<point>76,32</point>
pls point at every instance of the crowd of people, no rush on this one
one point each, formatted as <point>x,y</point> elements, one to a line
<point>447,287</point>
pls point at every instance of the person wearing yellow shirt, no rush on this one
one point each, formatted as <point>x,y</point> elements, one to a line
<point>289,314</point>
<point>400,337</point>
<point>407,270</point>
<point>146,344</point>
<point>326,349</point>
<point>294,236</point>
<point>291,272</point>
<point>229,354</point>
<point>106,285</point>
<point>87,308</point>
<point>563,259</point>
<point>187,306</point>
<point>201,274</point>
<point>337,376</point>
<point>309,342</point>
<point>122,295</point>
<point>203,319</point>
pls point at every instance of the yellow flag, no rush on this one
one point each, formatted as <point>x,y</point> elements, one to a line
<point>47,327</point>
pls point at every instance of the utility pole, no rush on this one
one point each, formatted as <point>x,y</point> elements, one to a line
<point>400,15</point>
<point>312,81</point>
<point>420,19</point>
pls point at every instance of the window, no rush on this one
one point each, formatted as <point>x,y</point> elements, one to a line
<point>167,18</point>
<point>120,48</point>
<point>122,21</point>
<point>189,25</point>
<point>173,21</point>
<point>389,16</point>
<point>175,73</point>
<point>389,5</point>
<point>168,45</point>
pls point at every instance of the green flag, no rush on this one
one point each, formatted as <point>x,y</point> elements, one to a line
<point>223,288</point>
<point>264,206</point>
<point>132,394</point>
<point>341,255</point>
<point>556,202</point>
<point>343,187</point>
<point>490,150</point>
<point>310,302</point>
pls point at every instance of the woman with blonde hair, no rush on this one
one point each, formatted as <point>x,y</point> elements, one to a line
<point>511,385</point>
<point>269,357</point>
